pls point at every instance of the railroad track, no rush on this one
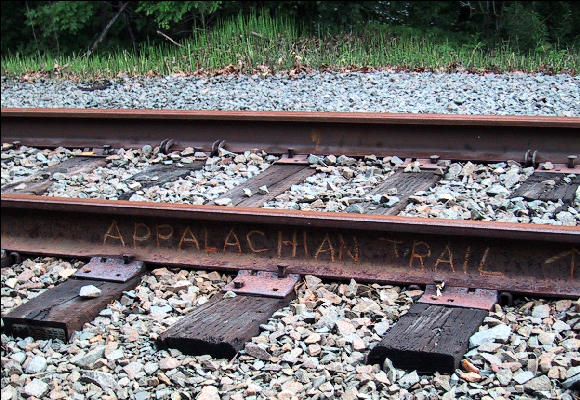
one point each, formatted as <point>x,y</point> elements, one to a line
<point>466,266</point>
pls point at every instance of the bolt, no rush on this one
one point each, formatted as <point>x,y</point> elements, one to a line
<point>238,284</point>
<point>282,270</point>
<point>506,299</point>
<point>527,157</point>
<point>290,152</point>
<point>571,160</point>
<point>106,148</point>
<point>15,257</point>
<point>434,158</point>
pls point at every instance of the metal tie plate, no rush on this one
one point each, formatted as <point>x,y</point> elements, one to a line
<point>297,159</point>
<point>263,283</point>
<point>460,297</point>
<point>109,269</point>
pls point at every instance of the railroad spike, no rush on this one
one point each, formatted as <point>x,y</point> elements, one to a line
<point>282,270</point>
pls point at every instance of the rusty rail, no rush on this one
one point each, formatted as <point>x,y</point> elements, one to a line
<point>533,259</point>
<point>461,137</point>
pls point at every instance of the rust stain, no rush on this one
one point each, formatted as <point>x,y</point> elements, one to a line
<point>315,138</point>
<point>364,247</point>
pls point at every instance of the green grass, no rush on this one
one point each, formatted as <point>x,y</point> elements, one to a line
<point>261,44</point>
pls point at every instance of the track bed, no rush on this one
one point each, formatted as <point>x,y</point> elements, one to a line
<point>395,227</point>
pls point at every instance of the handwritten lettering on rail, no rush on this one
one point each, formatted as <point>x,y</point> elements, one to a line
<point>415,254</point>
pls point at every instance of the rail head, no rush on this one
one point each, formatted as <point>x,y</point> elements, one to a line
<point>315,219</point>
<point>458,137</point>
<point>299,116</point>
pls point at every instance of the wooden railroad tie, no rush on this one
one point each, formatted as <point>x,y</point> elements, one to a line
<point>160,174</point>
<point>59,311</point>
<point>406,185</point>
<point>433,336</point>
<point>277,178</point>
<point>548,186</point>
<point>39,182</point>
<point>222,326</point>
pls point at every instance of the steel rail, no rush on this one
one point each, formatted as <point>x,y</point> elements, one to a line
<point>524,258</point>
<point>460,137</point>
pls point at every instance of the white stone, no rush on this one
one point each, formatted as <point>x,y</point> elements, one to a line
<point>499,332</point>
<point>208,393</point>
<point>37,364</point>
<point>226,201</point>
<point>541,311</point>
<point>36,388</point>
<point>168,363</point>
<point>89,292</point>
<point>345,327</point>
<point>523,376</point>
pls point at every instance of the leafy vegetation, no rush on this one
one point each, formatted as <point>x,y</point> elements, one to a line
<point>150,37</point>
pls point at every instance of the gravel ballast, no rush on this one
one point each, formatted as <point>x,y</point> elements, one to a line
<point>466,191</point>
<point>314,348</point>
<point>398,92</point>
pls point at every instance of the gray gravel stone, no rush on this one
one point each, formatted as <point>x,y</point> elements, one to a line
<point>37,364</point>
<point>408,380</point>
<point>572,382</point>
<point>522,377</point>
<point>355,208</point>
<point>36,388</point>
<point>161,309</point>
<point>88,360</point>
<point>504,376</point>
<point>133,369</point>
<point>19,357</point>
<point>103,379</point>
<point>539,384</point>
<point>499,332</point>
<point>258,352</point>
<point>384,91</point>
<point>541,311</point>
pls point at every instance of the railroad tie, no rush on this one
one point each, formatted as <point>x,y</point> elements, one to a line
<point>433,335</point>
<point>278,178</point>
<point>548,186</point>
<point>41,181</point>
<point>160,174</point>
<point>223,326</point>
<point>406,184</point>
<point>59,311</point>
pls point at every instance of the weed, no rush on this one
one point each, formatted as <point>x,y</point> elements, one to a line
<point>264,44</point>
